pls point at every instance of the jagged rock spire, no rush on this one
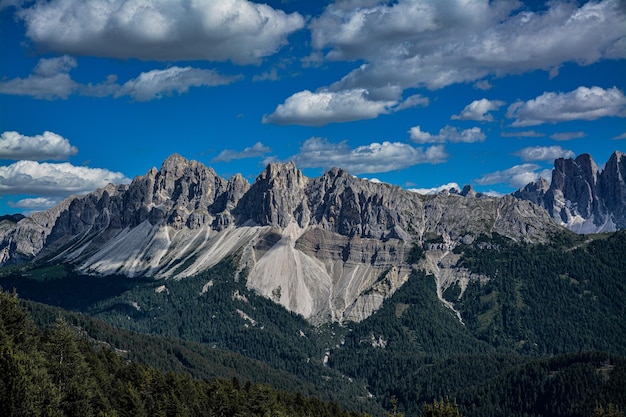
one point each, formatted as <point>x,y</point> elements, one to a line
<point>277,197</point>
<point>580,196</point>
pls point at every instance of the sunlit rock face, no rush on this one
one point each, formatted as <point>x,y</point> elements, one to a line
<point>331,248</point>
<point>580,196</point>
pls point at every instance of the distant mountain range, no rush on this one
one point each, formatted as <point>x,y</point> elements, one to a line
<point>580,196</point>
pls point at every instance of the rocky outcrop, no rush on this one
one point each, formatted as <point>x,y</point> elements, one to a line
<point>612,188</point>
<point>330,248</point>
<point>581,197</point>
<point>276,198</point>
<point>23,240</point>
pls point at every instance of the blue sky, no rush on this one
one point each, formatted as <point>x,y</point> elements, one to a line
<point>415,93</point>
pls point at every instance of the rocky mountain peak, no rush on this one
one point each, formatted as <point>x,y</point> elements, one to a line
<point>174,164</point>
<point>613,188</point>
<point>616,165</point>
<point>542,184</point>
<point>284,176</point>
<point>277,197</point>
<point>274,169</point>
<point>580,196</point>
<point>335,172</point>
<point>587,164</point>
<point>534,191</point>
<point>236,187</point>
<point>468,191</point>
<point>574,176</point>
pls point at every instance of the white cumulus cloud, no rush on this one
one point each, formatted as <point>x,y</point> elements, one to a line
<point>375,157</point>
<point>47,146</point>
<point>168,30</point>
<point>447,134</point>
<point>478,110</point>
<point>618,137</point>
<point>254,151</point>
<point>153,84</point>
<point>563,136</point>
<point>54,179</point>
<point>437,190</point>
<point>517,176</point>
<point>318,109</point>
<point>325,106</point>
<point>544,153</point>
<point>49,80</point>
<point>437,43</point>
<point>522,134</point>
<point>35,204</point>
<point>412,101</point>
<point>584,103</point>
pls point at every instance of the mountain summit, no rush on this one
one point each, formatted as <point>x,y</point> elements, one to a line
<point>330,248</point>
<point>580,196</point>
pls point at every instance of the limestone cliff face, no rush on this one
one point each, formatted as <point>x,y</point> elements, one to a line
<point>355,207</point>
<point>330,248</point>
<point>276,198</point>
<point>581,197</point>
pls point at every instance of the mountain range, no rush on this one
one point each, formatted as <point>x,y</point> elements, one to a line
<point>330,248</point>
<point>386,292</point>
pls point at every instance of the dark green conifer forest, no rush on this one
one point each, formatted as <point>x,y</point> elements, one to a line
<point>59,373</point>
<point>542,334</point>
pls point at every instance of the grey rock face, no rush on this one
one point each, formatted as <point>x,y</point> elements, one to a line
<point>613,188</point>
<point>330,248</point>
<point>355,207</point>
<point>24,240</point>
<point>581,197</point>
<point>276,198</point>
<point>468,191</point>
<point>534,191</point>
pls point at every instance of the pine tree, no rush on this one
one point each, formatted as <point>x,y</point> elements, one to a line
<point>69,371</point>
<point>394,408</point>
<point>611,411</point>
<point>25,385</point>
<point>441,409</point>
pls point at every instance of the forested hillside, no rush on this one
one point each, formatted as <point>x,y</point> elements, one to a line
<point>549,299</point>
<point>564,299</point>
<point>543,332</point>
<point>212,309</point>
<point>59,373</point>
